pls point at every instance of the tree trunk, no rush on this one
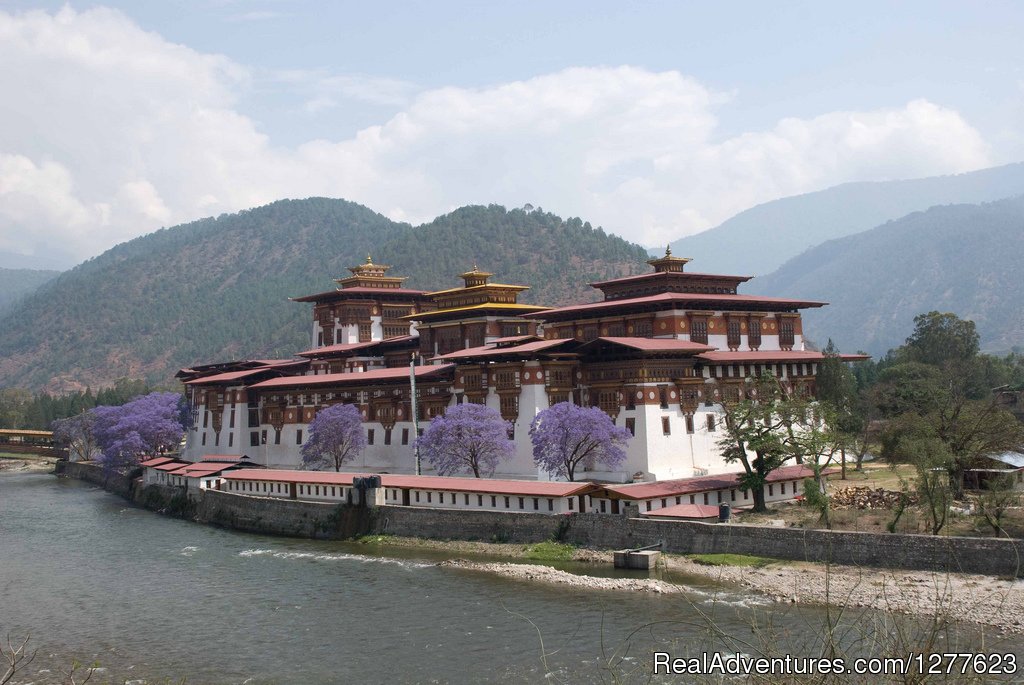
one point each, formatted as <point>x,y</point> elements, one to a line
<point>842,455</point>
<point>759,504</point>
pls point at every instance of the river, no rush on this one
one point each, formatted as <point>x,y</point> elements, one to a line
<point>153,599</point>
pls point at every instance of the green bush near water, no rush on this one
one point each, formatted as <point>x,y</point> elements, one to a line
<point>731,560</point>
<point>550,551</point>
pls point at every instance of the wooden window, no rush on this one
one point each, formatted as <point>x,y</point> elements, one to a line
<point>648,505</point>
<point>666,426</point>
<point>369,436</point>
<point>664,503</point>
<point>254,417</point>
<point>298,436</point>
<point>417,495</point>
<point>204,438</point>
<point>522,503</point>
<point>475,336</point>
<point>263,437</point>
<point>387,436</point>
<point>405,436</point>
<point>786,335</point>
<point>509,406</point>
<point>754,334</point>
<point>692,499</point>
<point>479,500</point>
<point>617,330</point>
<point>231,419</point>
<point>711,423</point>
<point>231,439</point>
<point>631,426</point>
<point>506,503</point>
<point>551,504</point>
<point>732,495</point>
<point>608,400</point>
<point>494,501</point>
<point>466,500</point>
<point>689,423</point>
<point>643,329</point>
<point>509,330</point>
<point>365,332</point>
<point>705,498</point>
<point>732,333</point>
<point>699,331</point>
<point>663,395</point>
<point>429,496</point>
<point>569,500</point>
<point>206,418</point>
<point>536,504</point>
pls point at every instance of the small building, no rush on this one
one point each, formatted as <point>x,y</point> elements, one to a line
<point>996,466</point>
<point>783,484</point>
<point>439,492</point>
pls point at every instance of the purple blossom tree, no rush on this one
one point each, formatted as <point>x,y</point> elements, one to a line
<point>335,436</point>
<point>467,438</point>
<point>76,434</point>
<point>147,425</point>
<point>566,436</point>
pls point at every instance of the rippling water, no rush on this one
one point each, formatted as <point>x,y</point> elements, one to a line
<point>153,598</point>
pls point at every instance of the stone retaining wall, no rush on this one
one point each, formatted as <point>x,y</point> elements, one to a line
<point>323,520</point>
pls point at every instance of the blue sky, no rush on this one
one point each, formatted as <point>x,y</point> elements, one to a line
<point>654,119</point>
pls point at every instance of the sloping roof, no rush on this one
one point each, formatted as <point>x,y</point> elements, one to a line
<point>1012,459</point>
<point>491,486</point>
<point>157,461</point>
<point>671,274</point>
<point>513,339</point>
<point>227,377</point>
<point>513,309</point>
<point>337,293</point>
<point>684,511</point>
<point>338,348</point>
<point>172,465</point>
<point>652,344</point>
<point>686,486</point>
<point>355,378</point>
<point>771,356</point>
<point>678,298</point>
<point>515,350</point>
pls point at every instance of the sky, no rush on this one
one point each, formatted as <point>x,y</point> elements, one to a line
<point>654,120</point>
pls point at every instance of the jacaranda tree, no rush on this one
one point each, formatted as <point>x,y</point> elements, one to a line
<point>76,434</point>
<point>566,437</point>
<point>468,438</point>
<point>147,425</point>
<point>336,436</point>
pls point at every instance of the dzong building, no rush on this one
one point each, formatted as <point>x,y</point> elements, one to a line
<point>663,353</point>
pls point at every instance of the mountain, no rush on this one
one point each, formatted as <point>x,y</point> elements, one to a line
<point>17,283</point>
<point>760,239</point>
<point>217,288</point>
<point>966,259</point>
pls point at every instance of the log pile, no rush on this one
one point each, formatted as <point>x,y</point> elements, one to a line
<point>860,497</point>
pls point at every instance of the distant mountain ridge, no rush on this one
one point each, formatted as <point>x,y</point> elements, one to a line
<point>761,239</point>
<point>16,284</point>
<point>967,259</point>
<point>217,288</point>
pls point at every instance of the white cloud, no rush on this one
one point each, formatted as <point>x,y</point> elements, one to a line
<point>109,131</point>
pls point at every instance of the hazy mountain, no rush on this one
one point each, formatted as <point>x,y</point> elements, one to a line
<point>760,239</point>
<point>217,288</point>
<point>966,259</point>
<point>15,284</point>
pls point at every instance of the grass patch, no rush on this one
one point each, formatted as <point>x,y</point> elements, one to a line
<point>731,560</point>
<point>550,551</point>
<point>375,539</point>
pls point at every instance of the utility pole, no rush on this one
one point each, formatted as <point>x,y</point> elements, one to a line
<point>415,413</point>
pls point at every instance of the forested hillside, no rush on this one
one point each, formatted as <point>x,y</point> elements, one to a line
<point>15,284</point>
<point>218,288</point>
<point>966,259</point>
<point>759,240</point>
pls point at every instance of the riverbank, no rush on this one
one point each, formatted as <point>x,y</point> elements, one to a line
<point>20,463</point>
<point>981,600</point>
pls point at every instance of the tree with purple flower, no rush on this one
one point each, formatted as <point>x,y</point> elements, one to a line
<point>336,436</point>
<point>76,434</point>
<point>566,437</point>
<point>147,425</point>
<point>467,438</point>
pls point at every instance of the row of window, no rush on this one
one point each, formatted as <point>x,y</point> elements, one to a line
<point>439,497</point>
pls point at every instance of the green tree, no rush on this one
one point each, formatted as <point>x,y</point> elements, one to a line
<point>940,339</point>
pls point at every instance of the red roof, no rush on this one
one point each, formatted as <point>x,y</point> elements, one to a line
<point>376,375</point>
<point>527,488</point>
<point>173,465</point>
<point>341,347</point>
<point>292,476</point>
<point>678,298</point>
<point>492,486</point>
<point>655,344</point>
<point>227,377</point>
<point>356,290</point>
<point>491,351</point>
<point>771,356</point>
<point>672,274</point>
<point>686,486</point>
<point>157,461</point>
<point>513,339</point>
<point>684,511</point>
